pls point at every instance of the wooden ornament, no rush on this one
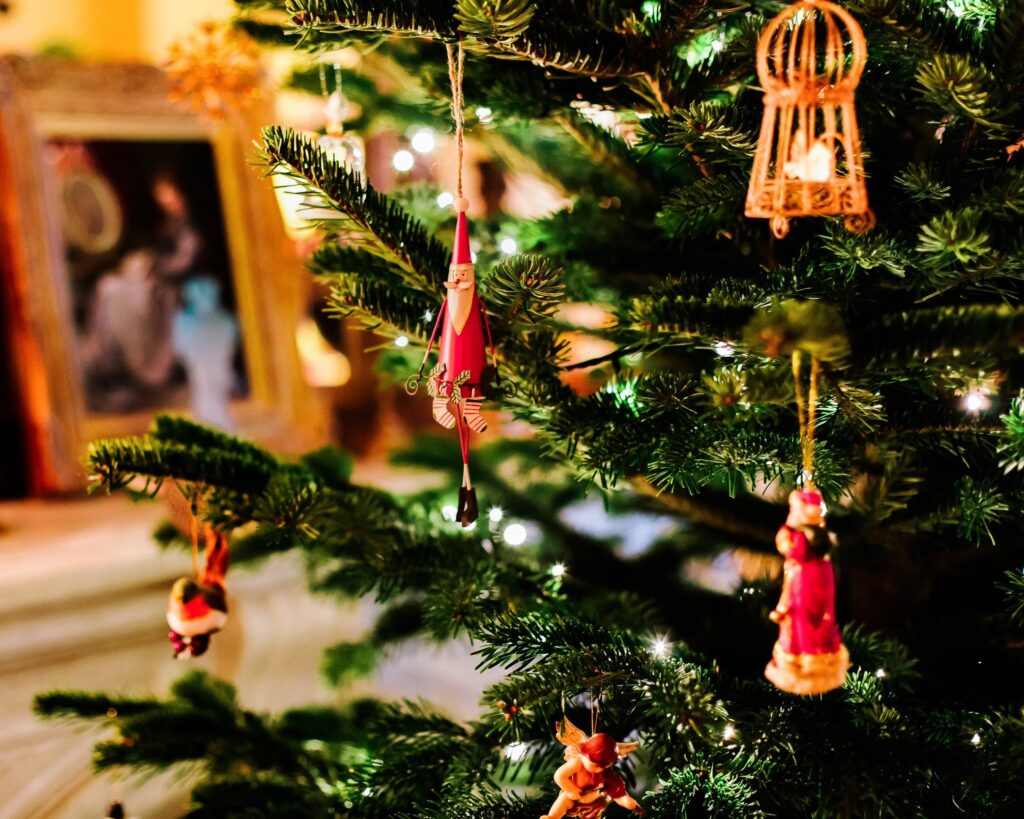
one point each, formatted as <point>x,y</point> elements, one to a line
<point>808,160</point>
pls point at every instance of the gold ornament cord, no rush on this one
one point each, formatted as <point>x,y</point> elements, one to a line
<point>806,412</point>
<point>456,62</point>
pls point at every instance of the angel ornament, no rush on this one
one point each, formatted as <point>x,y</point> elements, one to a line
<point>588,781</point>
<point>198,608</point>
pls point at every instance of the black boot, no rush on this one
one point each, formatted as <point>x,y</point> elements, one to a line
<point>468,510</point>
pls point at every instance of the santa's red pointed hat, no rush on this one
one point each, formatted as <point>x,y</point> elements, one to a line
<point>461,253</point>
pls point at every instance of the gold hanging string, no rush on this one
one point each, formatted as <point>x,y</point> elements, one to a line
<point>456,63</point>
<point>194,531</point>
<point>593,713</point>
<point>806,412</point>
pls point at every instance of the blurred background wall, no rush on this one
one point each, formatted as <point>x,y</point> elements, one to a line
<point>83,589</point>
<point>121,30</point>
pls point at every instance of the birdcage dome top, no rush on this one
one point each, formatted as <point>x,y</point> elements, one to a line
<point>811,44</point>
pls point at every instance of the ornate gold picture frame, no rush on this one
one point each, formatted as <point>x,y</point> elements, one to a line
<point>46,100</point>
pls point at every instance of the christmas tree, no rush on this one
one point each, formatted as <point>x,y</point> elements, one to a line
<point>645,117</point>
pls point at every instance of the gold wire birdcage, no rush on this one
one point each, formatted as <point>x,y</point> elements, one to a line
<point>808,160</point>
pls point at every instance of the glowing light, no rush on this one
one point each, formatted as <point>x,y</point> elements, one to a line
<point>428,316</point>
<point>445,199</point>
<point>660,647</point>
<point>473,256</point>
<point>448,512</point>
<point>558,570</point>
<point>484,114</point>
<point>881,674</point>
<point>514,534</point>
<point>652,9</point>
<point>322,365</point>
<point>976,739</point>
<point>729,731</point>
<point>724,349</point>
<point>495,514</point>
<point>402,341</point>
<point>516,751</point>
<point>423,141</point>
<point>976,401</point>
<point>403,161</point>
<point>508,246</point>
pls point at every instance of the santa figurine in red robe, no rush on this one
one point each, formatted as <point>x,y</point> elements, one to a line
<point>459,381</point>
<point>809,657</point>
<point>198,609</point>
<point>587,781</point>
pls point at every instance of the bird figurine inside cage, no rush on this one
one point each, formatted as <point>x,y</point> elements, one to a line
<point>808,160</point>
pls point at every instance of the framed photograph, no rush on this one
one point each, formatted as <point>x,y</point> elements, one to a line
<point>145,267</point>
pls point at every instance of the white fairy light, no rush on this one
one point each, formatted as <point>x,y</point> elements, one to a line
<point>558,570</point>
<point>423,141</point>
<point>508,246</point>
<point>976,401</point>
<point>403,160</point>
<point>484,114</point>
<point>495,514</point>
<point>514,534</point>
<point>881,674</point>
<point>976,739</point>
<point>445,199</point>
<point>729,731</point>
<point>402,341</point>
<point>724,349</point>
<point>660,647</point>
<point>448,511</point>
<point>516,751</point>
<point>428,316</point>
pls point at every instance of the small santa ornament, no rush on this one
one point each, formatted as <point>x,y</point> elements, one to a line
<point>459,382</point>
<point>587,781</point>
<point>196,610</point>
<point>809,657</point>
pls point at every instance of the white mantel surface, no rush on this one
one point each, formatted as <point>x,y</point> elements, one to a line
<point>82,597</point>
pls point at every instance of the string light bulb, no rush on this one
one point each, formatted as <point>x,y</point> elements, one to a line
<point>403,161</point>
<point>445,199</point>
<point>516,751</point>
<point>976,401</point>
<point>729,732</point>
<point>402,341</point>
<point>976,739</point>
<point>423,141</point>
<point>495,514</point>
<point>558,570</point>
<point>514,534</point>
<point>660,647</point>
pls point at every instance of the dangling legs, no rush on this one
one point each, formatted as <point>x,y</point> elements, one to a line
<point>467,511</point>
<point>562,804</point>
<point>474,420</point>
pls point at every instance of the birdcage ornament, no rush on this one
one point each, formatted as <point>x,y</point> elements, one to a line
<point>808,160</point>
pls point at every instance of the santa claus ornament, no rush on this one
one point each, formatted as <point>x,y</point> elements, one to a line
<point>588,783</point>
<point>197,607</point>
<point>458,383</point>
<point>809,656</point>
